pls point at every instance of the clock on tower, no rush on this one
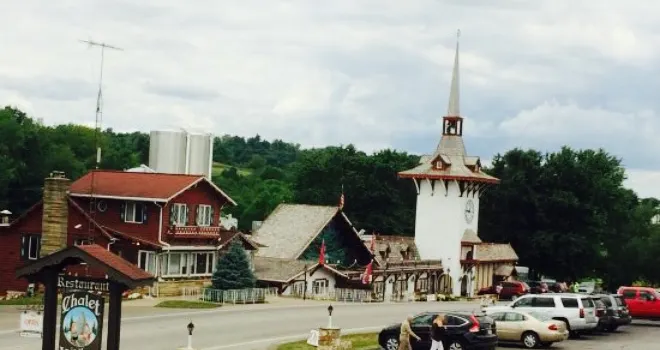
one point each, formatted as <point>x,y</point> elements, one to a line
<point>469,211</point>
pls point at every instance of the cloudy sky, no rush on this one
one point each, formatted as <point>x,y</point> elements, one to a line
<point>375,73</point>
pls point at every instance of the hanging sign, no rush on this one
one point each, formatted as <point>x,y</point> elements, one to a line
<point>81,321</point>
<point>32,324</point>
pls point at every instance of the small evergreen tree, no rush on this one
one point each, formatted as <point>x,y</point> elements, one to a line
<point>232,270</point>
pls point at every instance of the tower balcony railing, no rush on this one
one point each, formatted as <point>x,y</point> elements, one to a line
<point>194,230</point>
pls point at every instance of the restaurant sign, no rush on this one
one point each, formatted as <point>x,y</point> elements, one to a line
<point>81,321</point>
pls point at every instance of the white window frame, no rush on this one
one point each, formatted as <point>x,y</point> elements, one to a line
<point>210,262</point>
<point>30,254</point>
<point>204,217</point>
<point>131,208</point>
<point>150,259</point>
<point>180,214</point>
<point>320,286</point>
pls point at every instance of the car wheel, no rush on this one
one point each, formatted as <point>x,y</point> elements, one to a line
<point>456,345</point>
<point>530,340</point>
<point>392,344</point>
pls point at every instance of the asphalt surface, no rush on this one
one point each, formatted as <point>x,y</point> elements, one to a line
<point>259,326</point>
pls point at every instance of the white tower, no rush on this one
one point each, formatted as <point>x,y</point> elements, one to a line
<point>448,184</point>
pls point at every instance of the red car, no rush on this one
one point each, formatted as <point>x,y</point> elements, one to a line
<point>510,290</point>
<point>643,302</point>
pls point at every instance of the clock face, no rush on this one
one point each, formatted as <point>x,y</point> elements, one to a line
<point>469,211</point>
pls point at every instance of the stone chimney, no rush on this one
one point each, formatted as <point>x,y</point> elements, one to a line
<point>55,213</point>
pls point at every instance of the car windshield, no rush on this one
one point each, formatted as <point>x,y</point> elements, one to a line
<point>540,316</point>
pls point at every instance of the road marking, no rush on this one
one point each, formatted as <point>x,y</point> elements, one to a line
<point>291,338</point>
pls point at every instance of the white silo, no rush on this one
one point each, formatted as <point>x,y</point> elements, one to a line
<point>200,154</point>
<point>168,151</point>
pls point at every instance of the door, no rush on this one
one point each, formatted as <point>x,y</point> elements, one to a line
<point>523,304</point>
<point>455,327</point>
<point>646,303</point>
<point>515,325</point>
<point>421,325</point>
<point>503,331</point>
<point>389,289</point>
<point>544,304</point>
<point>464,286</point>
<point>630,296</point>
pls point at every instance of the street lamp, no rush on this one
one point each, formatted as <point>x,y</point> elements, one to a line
<point>191,327</point>
<point>330,308</point>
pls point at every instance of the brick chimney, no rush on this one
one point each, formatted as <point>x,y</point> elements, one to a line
<point>55,213</point>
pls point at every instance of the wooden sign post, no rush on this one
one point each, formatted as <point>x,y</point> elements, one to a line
<point>83,298</point>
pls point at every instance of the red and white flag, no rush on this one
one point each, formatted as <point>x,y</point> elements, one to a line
<point>322,253</point>
<point>368,272</point>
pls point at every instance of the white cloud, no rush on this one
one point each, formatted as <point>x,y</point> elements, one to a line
<point>374,73</point>
<point>644,182</point>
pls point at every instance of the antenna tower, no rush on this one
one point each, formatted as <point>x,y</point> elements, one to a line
<point>97,129</point>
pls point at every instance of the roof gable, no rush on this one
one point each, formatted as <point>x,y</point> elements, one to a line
<point>158,187</point>
<point>469,236</point>
<point>290,228</point>
<point>495,252</point>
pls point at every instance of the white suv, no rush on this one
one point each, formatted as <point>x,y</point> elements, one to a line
<point>576,310</point>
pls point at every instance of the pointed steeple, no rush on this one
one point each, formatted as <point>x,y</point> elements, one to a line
<point>454,109</point>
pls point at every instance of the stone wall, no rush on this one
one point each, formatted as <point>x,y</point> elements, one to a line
<point>173,288</point>
<point>55,214</point>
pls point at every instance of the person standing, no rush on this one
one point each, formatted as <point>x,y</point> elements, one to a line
<point>406,333</point>
<point>498,290</point>
<point>438,333</point>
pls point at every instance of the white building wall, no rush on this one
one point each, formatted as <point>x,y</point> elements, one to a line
<point>440,224</point>
<point>311,277</point>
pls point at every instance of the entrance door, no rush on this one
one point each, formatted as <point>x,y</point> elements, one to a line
<point>464,286</point>
<point>389,289</point>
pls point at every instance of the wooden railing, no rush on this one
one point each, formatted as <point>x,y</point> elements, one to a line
<point>194,230</point>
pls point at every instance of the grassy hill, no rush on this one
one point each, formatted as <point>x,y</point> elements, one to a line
<point>218,168</point>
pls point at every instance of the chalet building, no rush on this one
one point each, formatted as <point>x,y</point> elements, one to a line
<point>292,237</point>
<point>166,224</point>
<point>449,183</point>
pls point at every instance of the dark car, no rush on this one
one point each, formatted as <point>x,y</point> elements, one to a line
<point>465,331</point>
<point>537,287</point>
<point>510,290</point>
<point>616,312</point>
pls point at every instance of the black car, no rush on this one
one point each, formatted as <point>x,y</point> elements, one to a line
<point>465,331</point>
<point>616,312</point>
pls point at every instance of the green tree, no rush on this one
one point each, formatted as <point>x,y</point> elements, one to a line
<point>232,270</point>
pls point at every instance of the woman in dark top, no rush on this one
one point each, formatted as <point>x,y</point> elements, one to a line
<point>438,333</point>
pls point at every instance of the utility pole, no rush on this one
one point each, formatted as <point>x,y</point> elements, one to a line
<point>97,126</point>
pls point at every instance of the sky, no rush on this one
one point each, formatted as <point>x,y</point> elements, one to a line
<point>375,73</point>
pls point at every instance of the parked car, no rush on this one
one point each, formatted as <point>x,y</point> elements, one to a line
<point>464,331</point>
<point>616,312</point>
<point>587,287</point>
<point>532,329</point>
<point>576,310</point>
<point>510,290</point>
<point>537,287</point>
<point>601,309</point>
<point>642,302</point>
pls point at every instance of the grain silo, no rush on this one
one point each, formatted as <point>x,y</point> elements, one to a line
<point>200,154</point>
<point>168,151</point>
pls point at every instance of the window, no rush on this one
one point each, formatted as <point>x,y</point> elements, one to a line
<point>523,302</point>
<point>204,215</point>
<point>619,301</point>
<point>644,295</point>
<point>498,316</point>
<point>544,302</point>
<point>147,261</point>
<point>30,247</point>
<point>320,286</point>
<point>569,303</point>
<point>134,212</point>
<point>179,214</point>
<point>587,302</point>
<point>202,263</point>
<point>606,301</point>
<point>629,294</point>
<point>424,319</point>
<point>513,317</point>
<point>455,320</point>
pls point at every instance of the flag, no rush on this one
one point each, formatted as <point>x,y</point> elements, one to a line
<point>366,277</point>
<point>322,253</point>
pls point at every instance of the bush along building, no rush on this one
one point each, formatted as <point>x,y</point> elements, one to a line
<point>166,224</point>
<point>313,251</point>
<point>449,183</point>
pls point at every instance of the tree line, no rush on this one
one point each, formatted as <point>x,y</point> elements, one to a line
<point>566,213</point>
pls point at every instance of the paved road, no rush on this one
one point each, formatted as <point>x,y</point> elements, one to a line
<point>258,326</point>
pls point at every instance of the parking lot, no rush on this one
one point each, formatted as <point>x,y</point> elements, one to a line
<point>640,335</point>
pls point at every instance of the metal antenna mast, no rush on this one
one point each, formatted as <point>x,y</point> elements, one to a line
<point>97,126</point>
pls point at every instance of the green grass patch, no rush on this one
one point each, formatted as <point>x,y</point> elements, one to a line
<point>218,168</point>
<point>366,341</point>
<point>187,304</point>
<point>34,300</point>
